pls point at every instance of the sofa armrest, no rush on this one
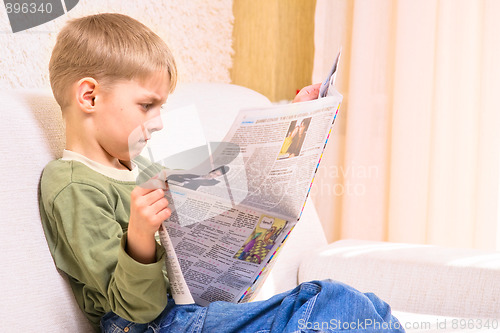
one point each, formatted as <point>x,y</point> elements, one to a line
<point>413,278</point>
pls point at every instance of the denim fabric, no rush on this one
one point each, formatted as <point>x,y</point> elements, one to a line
<point>317,306</point>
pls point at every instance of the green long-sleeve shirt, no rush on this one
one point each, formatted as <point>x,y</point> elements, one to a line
<point>85,210</point>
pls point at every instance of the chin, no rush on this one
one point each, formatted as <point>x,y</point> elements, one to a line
<point>133,154</point>
<point>136,150</point>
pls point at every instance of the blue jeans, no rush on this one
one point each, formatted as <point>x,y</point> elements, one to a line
<point>317,306</point>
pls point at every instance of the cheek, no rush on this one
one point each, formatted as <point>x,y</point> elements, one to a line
<point>136,134</point>
<point>136,142</point>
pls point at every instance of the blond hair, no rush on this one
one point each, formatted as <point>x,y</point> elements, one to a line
<point>107,47</point>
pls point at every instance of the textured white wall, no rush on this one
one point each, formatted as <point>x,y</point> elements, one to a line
<point>199,32</point>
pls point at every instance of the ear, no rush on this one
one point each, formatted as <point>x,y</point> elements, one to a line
<point>86,92</point>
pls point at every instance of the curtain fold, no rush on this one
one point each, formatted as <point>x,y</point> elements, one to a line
<point>415,151</point>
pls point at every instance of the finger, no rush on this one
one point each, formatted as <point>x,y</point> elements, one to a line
<point>310,89</point>
<point>164,214</point>
<point>139,192</point>
<point>159,205</point>
<point>154,183</point>
<point>153,196</point>
<point>157,181</point>
<point>161,216</point>
<point>316,87</point>
<point>308,93</point>
<point>314,91</point>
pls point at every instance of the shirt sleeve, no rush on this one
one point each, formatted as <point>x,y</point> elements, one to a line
<point>90,248</point>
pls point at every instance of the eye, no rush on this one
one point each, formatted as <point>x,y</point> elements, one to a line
<point>146,106</point>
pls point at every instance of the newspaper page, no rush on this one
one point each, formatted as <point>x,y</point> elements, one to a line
<point>232,213</point>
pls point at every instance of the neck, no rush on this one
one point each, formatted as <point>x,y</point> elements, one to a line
<point>101,158</point>
<point>77,140</point>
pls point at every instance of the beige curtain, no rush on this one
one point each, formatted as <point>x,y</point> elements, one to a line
<point>415,151</point>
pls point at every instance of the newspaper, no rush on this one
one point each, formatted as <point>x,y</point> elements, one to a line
<point>233,212</point>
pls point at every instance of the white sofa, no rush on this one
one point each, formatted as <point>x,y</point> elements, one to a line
<point>36,297</point>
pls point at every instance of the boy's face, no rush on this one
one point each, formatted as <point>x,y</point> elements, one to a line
<point>128,114</point>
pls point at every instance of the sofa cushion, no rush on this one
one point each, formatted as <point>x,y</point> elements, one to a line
<point>31,287</point>
<point>414,278</point>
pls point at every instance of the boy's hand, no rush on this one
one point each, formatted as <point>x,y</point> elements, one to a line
<point>148,209</point>
<point>307,93</point>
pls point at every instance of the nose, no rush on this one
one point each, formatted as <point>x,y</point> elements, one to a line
<point>154,124</point>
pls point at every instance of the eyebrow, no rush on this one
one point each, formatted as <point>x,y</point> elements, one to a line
<point>152,97</point>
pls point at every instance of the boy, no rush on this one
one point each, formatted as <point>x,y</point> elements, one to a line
<point>110,74</point>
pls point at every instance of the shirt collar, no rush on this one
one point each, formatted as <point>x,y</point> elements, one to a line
<point>122,175</point>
